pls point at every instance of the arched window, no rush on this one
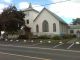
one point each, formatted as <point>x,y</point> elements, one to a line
<point>37,28</point>
<point>27,21</point>
<point>54,27</point>
<point>45,27</point>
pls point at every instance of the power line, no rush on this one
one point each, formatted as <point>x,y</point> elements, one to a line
<point>53,3</point>
<point>42,5</point>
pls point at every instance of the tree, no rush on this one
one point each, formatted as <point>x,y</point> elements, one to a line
<point>76,21</point>
<point>11,19</point>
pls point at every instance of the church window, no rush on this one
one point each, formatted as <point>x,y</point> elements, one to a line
<point>54,27</point>
<point>37,28</point>
<point>27,21</point>
<point>45,27</point>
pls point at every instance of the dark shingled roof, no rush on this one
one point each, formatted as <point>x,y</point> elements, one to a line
<point>53,14</point>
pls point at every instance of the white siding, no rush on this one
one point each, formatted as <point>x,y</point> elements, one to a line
<point>75,28</point>
<point>75,31</point>
<point>45,15</point>
<point>63,28</point>
<point>30,15</point>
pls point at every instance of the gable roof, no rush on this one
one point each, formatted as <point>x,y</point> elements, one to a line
<point>57,17</point>
<point>31,10</point>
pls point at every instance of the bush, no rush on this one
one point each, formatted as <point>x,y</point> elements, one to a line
<point>44,37</point>
<point>56,37</point>
<point>22,37</point>
<point>63,37</point>
<point>73,36</point>
<point>68,36</point>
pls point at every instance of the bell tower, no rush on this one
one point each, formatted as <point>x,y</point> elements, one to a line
<point>30,6</point>
<point>30,15</point>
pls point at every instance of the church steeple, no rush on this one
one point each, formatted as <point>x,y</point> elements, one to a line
<point>30,6</point>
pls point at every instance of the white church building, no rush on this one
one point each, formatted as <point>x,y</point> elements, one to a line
<point>44,22</point>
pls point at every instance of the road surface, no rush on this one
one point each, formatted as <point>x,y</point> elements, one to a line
<point>36,53</point>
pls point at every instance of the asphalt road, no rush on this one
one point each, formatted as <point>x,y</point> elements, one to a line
<point>34,53</point>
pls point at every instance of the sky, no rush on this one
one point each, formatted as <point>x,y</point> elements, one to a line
<point>66,9</point>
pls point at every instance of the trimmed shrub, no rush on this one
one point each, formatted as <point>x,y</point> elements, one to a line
<point>73,36</point>
<point>56,37</point>
<point>44,37</point>
<point>68,36</point>
<point>22,37</point>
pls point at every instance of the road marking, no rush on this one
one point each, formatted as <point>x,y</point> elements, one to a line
<point>70,45</point>
<point>35,44</point>
<point>55,49</point>
<point>57,45</point>
<point>42,48</point>
<point>71,41</point>
<point>23,56</point>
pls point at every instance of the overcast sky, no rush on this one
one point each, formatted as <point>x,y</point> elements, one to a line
<point>66,10</point>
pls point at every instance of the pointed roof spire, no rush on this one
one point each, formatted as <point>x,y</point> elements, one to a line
<point>30,6</point>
